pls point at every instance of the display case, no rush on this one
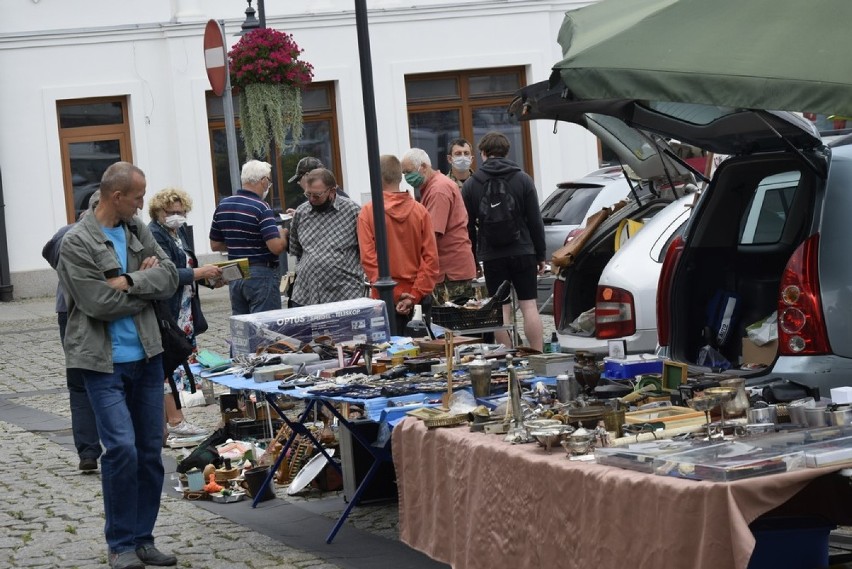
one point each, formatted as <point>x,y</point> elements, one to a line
<point>640,456</point>
<point>730,460</point>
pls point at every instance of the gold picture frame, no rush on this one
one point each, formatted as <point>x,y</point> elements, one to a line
<point>674,374</point>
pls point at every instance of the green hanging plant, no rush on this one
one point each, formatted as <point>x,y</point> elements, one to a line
<point>265,67</point>
<point>269,112</point>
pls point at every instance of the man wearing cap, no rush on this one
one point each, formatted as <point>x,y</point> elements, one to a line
<point>304,166</point>
<point>244,227</point>
<point>443,200</point>
<point>323,237</point>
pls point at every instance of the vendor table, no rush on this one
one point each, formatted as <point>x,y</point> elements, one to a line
<point>474,501</point>
<point>376,408</point>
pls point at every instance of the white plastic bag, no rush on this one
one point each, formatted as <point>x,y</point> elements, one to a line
<point>764,331</point>
<point>584,324</point>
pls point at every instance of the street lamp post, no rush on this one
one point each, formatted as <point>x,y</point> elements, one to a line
<point>385,284</point>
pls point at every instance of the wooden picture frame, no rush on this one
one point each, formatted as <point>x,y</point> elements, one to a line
<point>674,374</point>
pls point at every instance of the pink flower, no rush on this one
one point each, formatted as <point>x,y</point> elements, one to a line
<point>268,56</point>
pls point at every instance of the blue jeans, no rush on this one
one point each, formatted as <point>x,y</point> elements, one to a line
<point>83,427</point>
<point>128,405</point>
<point>257,294</point>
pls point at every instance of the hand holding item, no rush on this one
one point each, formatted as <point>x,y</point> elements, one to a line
<point>212,274</point>
<point>405,304</point>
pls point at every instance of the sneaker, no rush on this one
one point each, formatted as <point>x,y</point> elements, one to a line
<point>88,464</point>
<point>150,555</point>
<point>125,560</point>
<point>186,442</point>
<point>184,429</point>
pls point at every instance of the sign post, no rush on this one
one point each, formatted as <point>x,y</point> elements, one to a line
<point>216,62</point>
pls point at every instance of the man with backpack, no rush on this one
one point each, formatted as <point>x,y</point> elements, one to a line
<point>506,231</point>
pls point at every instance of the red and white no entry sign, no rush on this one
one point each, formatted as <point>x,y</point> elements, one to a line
<point>215,57</point>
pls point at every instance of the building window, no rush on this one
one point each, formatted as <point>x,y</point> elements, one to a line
<point>93,133</point>
<point>319,139</point>
<point>467,104</point>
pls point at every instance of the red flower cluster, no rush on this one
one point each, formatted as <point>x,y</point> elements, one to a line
<point>268,56</point>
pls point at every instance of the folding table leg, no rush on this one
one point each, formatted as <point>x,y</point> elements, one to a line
<point>294,430</point>
<point>380,456</point>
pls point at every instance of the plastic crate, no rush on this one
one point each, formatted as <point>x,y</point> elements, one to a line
<point>491,313</point>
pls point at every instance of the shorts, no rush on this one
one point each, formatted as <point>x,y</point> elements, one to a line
<point>521,271</point>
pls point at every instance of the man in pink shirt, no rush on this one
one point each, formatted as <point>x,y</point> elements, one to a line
<point>442,199</point>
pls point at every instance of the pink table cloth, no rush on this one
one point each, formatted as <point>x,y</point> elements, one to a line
<point>474,501</point>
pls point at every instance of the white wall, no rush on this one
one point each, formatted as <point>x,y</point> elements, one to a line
<point>152,52</point>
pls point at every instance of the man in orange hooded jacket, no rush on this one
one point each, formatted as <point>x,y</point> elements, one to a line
<point>412,251</point>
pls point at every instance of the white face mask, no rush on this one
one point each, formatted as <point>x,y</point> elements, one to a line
<point>462,163</point>
<point>175,221</point>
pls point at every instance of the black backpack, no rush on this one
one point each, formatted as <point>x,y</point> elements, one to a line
<point>499,215</point>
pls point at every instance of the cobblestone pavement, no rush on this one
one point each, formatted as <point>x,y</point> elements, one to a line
<point>51,515</point>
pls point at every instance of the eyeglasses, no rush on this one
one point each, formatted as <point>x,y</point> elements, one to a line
<point>183,213</point>
<point>317,195</point>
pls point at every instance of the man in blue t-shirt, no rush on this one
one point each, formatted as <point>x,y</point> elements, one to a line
<point>244,227</point>
<point>112,268</point>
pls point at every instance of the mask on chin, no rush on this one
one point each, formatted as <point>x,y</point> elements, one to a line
<point>321,207</point>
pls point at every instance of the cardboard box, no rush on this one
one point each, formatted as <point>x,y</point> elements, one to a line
<point>754,354</point>
<point>550,365</point>
<point>361,320</point>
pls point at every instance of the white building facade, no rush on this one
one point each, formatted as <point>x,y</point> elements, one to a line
<point>86,83</point>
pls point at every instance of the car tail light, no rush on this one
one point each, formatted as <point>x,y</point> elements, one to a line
<point>664,288</point>
<point>615,316</point>
<point>801,326</point>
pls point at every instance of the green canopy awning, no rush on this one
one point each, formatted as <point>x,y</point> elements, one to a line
<point>790,55</point>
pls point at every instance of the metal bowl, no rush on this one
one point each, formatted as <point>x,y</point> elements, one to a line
<point>538,424</point>
<point>550,436</point>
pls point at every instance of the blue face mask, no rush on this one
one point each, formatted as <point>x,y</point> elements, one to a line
<point>414,179</point>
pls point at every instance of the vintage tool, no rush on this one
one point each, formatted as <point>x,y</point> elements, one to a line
<point>517,433</point>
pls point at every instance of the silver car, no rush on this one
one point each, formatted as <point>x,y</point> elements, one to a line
<point>767,237</point>
<point>619,286</point>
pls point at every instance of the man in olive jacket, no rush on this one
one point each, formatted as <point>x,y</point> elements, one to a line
<point>112,268</point>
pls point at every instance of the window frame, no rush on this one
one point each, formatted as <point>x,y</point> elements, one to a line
<point>280,183</point>
<point>98,133</point>
<point>466,104</point>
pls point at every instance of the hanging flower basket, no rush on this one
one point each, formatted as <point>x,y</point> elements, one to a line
<point>266,69</point>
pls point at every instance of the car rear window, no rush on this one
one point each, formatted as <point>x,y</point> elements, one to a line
<point>764,220</point>
<point>569,206</point>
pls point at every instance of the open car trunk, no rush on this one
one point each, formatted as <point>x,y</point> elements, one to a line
<point>579,281</point>
<point>746,227</point>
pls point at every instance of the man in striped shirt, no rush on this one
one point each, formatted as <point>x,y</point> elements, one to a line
<point>244,227</point>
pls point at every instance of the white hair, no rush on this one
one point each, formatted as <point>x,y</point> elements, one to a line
<point>254,171</point>
<point>417,157</point>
